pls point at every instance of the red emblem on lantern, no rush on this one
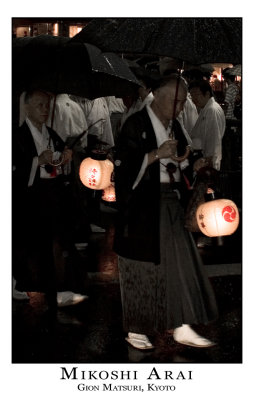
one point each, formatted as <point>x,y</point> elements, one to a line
<point>229,213</point>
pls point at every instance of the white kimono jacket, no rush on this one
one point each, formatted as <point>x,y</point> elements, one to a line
<point>69,119</point>
<point>94,111</point>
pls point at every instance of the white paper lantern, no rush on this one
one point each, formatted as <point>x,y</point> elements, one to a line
<point>218,217</point>
<point>96,174</point>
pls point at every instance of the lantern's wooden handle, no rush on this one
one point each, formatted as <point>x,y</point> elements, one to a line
<point>182,158</point>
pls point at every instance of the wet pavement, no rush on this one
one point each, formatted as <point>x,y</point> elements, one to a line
<point>91,332</point>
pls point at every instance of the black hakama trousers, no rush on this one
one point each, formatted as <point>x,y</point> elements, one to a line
<point>160,297</point>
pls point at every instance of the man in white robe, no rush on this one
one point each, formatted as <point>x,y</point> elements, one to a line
<point>209,129</point>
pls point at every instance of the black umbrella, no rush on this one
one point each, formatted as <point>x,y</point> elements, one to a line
<point>97,74</point>
<point>58,65</point>
<point>195,40</point>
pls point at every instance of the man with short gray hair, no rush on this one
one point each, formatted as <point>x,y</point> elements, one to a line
<point>163,283</point>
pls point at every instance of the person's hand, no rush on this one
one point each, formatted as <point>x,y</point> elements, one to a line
<point>200,163</point>
<point>45,157</point>
<point>167,149</point>
<point>67,155</point>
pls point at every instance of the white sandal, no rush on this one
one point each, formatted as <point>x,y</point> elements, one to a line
<point>185,335</point>
<point>139,341</point>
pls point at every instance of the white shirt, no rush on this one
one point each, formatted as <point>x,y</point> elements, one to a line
<point>162,135</point>
<point>94,110</point>
<point>69,119</point>
<point>208,131</point>
<point>115,105</point>
<point>189,115</point>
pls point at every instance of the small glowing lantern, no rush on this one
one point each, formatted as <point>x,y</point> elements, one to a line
<point>218,217</point>
<point>109,193</point>
<point>95,173</point>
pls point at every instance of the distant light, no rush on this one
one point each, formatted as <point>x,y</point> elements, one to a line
<point>55,29</point>
<point>75,29</point>
<point>109,193</point>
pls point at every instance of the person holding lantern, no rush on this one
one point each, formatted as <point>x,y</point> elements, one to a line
<point>42,223</point>
<point>163,284</point>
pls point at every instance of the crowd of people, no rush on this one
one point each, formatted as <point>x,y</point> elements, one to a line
<point>162,280</point>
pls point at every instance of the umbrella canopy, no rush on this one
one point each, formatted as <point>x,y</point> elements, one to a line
<point>58,65</point>
<point>195,40</point>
